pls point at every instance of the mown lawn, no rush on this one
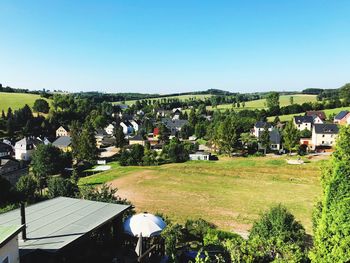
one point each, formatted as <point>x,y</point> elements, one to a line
<point>261,104</point>
<point>16,100</point>
<point>231,192</point>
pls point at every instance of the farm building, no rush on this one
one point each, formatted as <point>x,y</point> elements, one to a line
<point>62,131</point>
<point>68,230</point>
<point>342,118</point>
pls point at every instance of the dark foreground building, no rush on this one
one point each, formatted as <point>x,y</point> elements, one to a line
<point>69,230</point>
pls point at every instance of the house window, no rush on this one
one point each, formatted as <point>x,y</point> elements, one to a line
<point>322,142</point>
<point>6,260</point>
<point>323,135</point>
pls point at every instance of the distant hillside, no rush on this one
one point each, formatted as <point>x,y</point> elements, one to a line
<point>16,100</point>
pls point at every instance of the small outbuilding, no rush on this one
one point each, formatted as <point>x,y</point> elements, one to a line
<point>200,156</point>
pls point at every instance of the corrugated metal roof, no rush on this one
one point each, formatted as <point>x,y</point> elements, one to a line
<point>55,223</point>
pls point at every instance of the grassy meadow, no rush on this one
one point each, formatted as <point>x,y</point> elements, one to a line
<point>231,192</point>
<point>16,100</point>
<point>261,104</point>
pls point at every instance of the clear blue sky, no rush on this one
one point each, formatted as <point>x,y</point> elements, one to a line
<point>174,46</point>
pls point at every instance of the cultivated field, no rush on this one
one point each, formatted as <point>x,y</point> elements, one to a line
<point>16,100</point>
<point>182,97</point>
<point>261,104</point>
<point>231,192</point>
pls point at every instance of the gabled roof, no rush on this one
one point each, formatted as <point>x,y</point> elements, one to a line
<point>64,127</point>
<point>8,162</point>
<point>63,141</point>
<point>262,124</point>
<point>29,141</point>
<point>275,136</point>
<point>341,115</point>
<point>303,119</point>
<point>319,114</point>
<point>174,123</point>
<point>137,137</point>
<point>56,223</point>
<point>8,232</point>
<point>327,128</point>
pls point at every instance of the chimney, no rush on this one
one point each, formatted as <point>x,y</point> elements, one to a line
<point>23,221</point>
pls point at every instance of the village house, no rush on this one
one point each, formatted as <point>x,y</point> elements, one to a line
<point>24,148</point>
<point>200,156</point>
<point>64,143</point>
<point>9,252</point>
<point>342,118</point>
<point>303,122</point>
<point>61,230</point>
<point>138,139</point>
<point>5,150</point>
<point>259,127</point>
<point>176,114</point>
<point>62,131</point>
<point>275,140</point>
<point>174,125</point>
<point>127,127</point>
<point>320,114</point>
<point>324,136</point>
<point>135,125</point>
<point>11,170</point>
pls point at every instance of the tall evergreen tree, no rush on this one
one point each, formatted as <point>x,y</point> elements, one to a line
<point>332,215</point>
<point>119,136</point>
<point>87,144</point>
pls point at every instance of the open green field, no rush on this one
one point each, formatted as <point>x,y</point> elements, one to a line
<point>16,100</point>
<point>261,104</point>
<point>182,97</point>
<point>231,192</point>
<point>327,112</point>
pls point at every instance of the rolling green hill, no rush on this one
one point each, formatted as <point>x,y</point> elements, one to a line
<point>260,104</point>
<point>16,100</point>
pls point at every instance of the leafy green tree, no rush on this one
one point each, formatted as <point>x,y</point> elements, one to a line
<point>200,129</point>
<point>291,100</point>
<point>46,161</point>
<point>305,133</point>
<point>277,236</point>
<point>27,186</point>
<point>228,133</point>
<point>273,102</point>
<point>186,131</point>
<point>173,236</point>
<point>7,194</point>
<point>41,105</point>
<point>264,139</point>
<point>192,118</point>
<point>87,144</point>
<point>345,94</point>
<point>290,136</point>
<point>175,151</point>
<point>119,137</point>
<point>332,215</point>
<point>58,186</point>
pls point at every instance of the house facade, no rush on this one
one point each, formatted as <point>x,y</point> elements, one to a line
<point>342,118</point>
<point>259,127</point>
<point>62,131</point>
<point>138,139</point>
<point>5,150</point>
<point>24,148</point>
<point>303,122</point>
<point>324,136</point>
<point>110,129</point>
<point>127,127</point>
